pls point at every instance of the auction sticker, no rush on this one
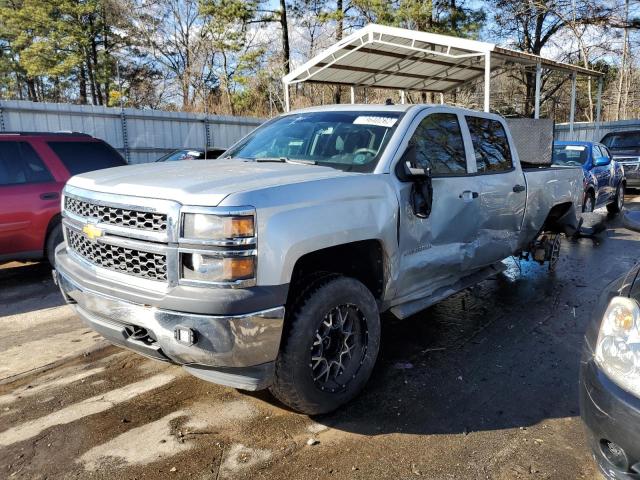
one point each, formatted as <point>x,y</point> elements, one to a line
<point>377,121</point>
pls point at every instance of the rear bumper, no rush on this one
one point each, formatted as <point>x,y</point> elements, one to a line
<point>234,350</point>
<point>611,415</point>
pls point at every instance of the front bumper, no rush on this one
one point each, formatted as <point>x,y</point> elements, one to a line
<point>233,350</point>
<point>612,415</point>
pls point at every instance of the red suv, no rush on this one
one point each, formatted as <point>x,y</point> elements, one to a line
<point>33,169</point>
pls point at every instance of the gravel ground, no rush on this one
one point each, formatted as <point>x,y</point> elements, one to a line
<point>483,385</point>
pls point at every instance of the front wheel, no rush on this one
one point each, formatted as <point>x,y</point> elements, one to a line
<point>54,239</point>
<point>329,347</point>
<point>618,201</point>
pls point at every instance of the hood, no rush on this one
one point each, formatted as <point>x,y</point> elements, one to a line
<point>199,182</point>
<point>625,152</point>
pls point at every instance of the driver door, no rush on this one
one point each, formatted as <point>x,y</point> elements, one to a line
<point>438,250</point>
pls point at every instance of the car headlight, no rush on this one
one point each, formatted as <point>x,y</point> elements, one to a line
<point>618,347</point>
<point>212,268</point>
<point>202,226</point>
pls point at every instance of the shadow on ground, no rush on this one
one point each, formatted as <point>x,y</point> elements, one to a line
<point>503,354</point>
<point>26,288</point>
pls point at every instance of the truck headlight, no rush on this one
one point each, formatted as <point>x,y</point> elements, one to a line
<point>208,268</point>
<point>618,347</point>
<point>202,226</point>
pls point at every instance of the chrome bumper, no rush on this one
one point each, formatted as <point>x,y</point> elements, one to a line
<point>238,341</point>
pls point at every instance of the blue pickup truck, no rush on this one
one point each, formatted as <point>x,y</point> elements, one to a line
<point>604,179</point>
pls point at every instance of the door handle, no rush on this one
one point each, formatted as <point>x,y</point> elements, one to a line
<point>49,196</point>
<point>519,188</point>
<point>468,195</point>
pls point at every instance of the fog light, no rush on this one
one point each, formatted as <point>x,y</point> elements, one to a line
<point>184,335</point>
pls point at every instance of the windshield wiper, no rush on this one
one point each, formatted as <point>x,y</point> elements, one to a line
<point>286,160</point>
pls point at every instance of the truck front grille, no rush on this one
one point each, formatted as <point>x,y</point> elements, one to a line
<point>630,166</point>
<point>149,221</point>
<point>120,259</point>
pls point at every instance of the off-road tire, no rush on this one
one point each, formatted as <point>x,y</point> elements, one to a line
<point>54,239</point>
<point>618,202</point>
<point>294,383</point>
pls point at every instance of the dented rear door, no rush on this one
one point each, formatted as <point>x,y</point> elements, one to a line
<point>502,187</point>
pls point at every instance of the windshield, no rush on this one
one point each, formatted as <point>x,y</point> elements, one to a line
<point>622,140</point>
<point>570,155</point>
<point>351,141</point>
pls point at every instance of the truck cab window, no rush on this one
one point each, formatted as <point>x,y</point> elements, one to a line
<point>490,145</point>
<point>439,145</point>
<point>19,163</point>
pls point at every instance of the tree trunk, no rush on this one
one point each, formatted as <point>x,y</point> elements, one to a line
<point>92,83</point>
<point>530,93</point>
<point>623,65</point>
<point>286,56</point>
<point>186,97</point>
<point>453,15</point>
<point>94,55</point>
<point>82,78</point>
<point>31,89</point>
<point>108,72</point>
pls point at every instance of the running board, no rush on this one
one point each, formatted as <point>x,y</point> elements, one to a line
<point>405,310</point>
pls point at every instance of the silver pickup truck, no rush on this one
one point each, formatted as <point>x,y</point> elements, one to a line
<point>270,267</point>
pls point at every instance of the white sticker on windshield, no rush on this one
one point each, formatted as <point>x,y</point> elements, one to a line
<point>578,148</point>
<point>377,121</point>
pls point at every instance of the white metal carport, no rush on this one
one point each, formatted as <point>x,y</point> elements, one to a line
<point>378,56</point>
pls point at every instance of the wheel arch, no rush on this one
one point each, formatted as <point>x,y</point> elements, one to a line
<point>363,260</point>
<point>561,218</point>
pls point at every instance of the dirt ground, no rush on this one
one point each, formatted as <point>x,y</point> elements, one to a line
<point>481,386</point>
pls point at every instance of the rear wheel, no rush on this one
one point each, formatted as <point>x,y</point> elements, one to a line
<point>330,346</point>
<point>54,239</point>
<point>618,201</point>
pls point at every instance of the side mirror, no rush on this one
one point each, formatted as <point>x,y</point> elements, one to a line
<point>407,168</point>
<point>601,161</point>
<point>421,195</point>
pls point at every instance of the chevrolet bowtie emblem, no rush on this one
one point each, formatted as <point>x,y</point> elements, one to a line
<point>91,231</point>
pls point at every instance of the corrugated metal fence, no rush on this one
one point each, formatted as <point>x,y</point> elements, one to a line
<point>140,135</point>
<point>590,131</point>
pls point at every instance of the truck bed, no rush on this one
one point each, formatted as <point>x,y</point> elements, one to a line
<point>546,188</point>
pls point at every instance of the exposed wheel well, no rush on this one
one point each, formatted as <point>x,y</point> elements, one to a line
<point>561,219</point>
<point>363,260</point>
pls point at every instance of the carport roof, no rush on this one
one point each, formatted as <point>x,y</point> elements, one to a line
<point>388,57</point>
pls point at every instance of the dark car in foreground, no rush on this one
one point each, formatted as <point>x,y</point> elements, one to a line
<point>625,148</point>
<point>34,167</point>
<point>604,178</point>
<point>610,375</point>
<point>191,154</point>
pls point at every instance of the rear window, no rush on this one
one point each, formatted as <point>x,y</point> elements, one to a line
<point>570,155</point>
<point>19,164</point>
<point>81,157</point>
<point>490,145</point>
<point>622,140</point>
